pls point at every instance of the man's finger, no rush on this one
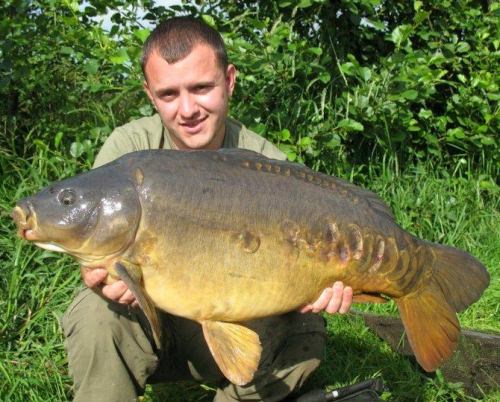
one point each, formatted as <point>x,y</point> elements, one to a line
<point>93,277</point>
<point>114,291</point>
<point>336,300</point>
<point>306,309</point>
<point>346,300</point>
<point>127,298</point>
<point>322,302</point>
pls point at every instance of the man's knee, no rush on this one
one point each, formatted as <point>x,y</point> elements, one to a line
<point>92,322</point>
<point>296,360</point>
<point>103,337</point>
<point>87,315</point>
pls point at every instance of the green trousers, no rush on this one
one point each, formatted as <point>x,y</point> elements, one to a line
<point>112,358</point>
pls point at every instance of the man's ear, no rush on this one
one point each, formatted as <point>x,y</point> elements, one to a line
<point>230,78</point>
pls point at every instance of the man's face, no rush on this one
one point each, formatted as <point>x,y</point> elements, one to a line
<point>191,96</point>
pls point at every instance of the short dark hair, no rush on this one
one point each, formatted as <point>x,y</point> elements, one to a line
<point>175,38</point>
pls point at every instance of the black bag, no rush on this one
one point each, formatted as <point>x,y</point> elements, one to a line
<point>366,391</point>
<point>367,395</point>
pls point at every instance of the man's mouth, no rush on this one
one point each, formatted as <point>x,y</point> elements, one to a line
<point>192,127</point>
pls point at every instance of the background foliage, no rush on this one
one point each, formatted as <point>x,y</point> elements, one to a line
<point>331,81</point>
<point>401,97</point>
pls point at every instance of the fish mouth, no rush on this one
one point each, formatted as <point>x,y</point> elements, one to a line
<point>27,228</point>
<point>25,219</point>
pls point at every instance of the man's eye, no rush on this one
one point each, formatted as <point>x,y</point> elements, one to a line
<point>202,89</point>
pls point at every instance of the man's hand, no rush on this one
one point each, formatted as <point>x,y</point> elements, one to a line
<point>337,299</point>
<point>118,291</point>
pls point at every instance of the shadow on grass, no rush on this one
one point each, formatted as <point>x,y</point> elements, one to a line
<point>354,353</point>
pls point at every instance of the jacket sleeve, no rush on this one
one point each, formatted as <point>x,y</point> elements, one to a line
<point>137,135</point>
<point>117,144</point>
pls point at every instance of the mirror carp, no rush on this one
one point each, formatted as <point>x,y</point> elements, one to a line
<point>224,237</point>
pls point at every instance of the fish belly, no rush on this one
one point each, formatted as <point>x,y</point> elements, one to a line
<point>217,275</point>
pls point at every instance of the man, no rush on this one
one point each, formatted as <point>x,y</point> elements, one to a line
<point>111,354</point>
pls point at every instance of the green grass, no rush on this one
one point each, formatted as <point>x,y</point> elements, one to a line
<point>459,208</point>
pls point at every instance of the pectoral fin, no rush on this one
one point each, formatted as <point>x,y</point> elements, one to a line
<point>132,276</point>
<point>235,348</point>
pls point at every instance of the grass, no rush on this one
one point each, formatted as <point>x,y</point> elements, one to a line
<point>459,208</point>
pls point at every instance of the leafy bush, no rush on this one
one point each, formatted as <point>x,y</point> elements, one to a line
<point>367,78</point>
<point>333,83</point>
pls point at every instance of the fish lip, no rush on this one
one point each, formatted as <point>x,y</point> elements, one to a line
<point>26,222</point>
<point>18,215</point>
<point>30,235</point>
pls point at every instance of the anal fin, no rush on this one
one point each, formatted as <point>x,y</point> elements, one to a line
<point>131,274</point>
<point>235,348</point>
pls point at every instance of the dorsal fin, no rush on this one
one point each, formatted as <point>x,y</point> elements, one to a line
<point>373,199</point>
<point>255,161</point>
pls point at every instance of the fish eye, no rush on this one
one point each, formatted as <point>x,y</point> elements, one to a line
<point>67,197</point>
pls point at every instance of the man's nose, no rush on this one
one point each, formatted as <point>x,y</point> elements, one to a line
<point>188,107</point>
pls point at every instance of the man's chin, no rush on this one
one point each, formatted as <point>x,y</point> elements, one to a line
<point>194,141</point>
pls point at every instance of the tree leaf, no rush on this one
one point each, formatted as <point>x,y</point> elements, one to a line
<point>66,50</point>
<point>304,142</point>
<point>304,3</point>
<point>209,20</point>
<point>410,94</point>
<point>315,50</point>
<point>119,57</point>
<point>76,149</point>
<point>324,77</point>
<point>487,140</point>
<point>365,73</point>
<point>455,133</point>
<point>425,113</point>
<point>284,135</point>
<point>142,34</point>
<point>350,125</point>
<point>347,68</point>
<point>91,66</point>
<point>463,47</point>
<point>400,34</point>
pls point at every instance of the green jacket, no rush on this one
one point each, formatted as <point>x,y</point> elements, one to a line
<point>149,133</point>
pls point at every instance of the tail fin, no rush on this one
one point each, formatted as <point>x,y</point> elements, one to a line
<point>461,277</point>
<point>429,314</point>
